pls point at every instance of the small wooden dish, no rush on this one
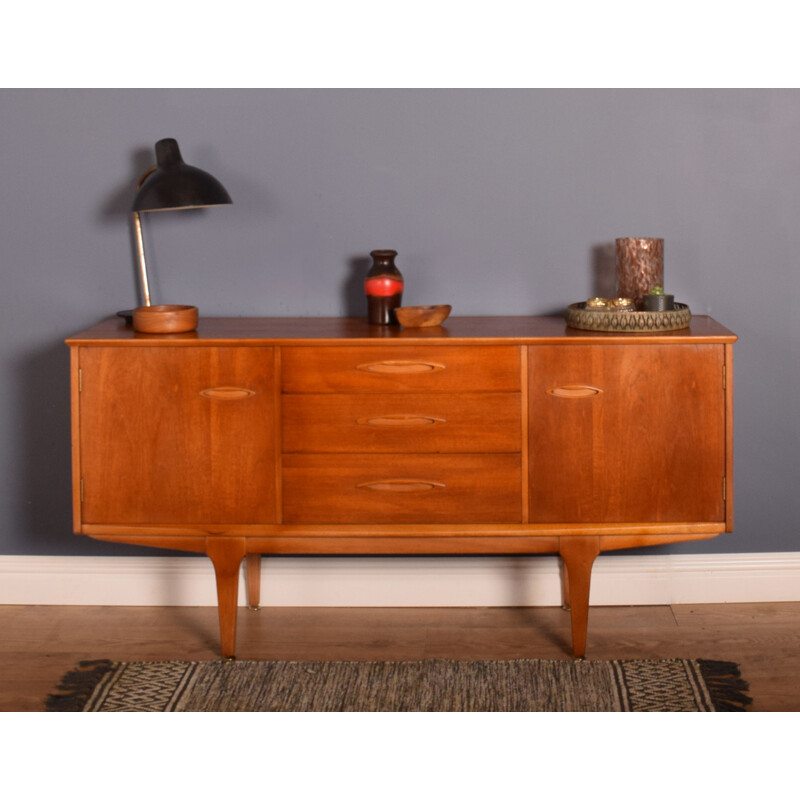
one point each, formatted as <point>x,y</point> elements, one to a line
<point>422,316</point>
<point>165,319</point>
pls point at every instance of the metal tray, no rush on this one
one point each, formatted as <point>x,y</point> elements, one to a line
<point>578,316</point>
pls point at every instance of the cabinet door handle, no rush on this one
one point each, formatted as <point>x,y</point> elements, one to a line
<point>400,420</point>
<point>574,391</point>
<point>402,485</point>
<point>400,367</point>
<point>227,393</point>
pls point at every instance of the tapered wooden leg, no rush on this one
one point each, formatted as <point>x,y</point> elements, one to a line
<point>564,585</point>
<point>253,580</point>
<point>579,553</point>
<point>226,553</point>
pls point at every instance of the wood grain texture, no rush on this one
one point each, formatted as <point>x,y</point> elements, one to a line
<point>466,488</point>
<point>155,449</point>
<point>332,331</point>
<point>226,554</point>
<point>253,436</point>
<point>578,555</point>
<point>729,436</point>
<point>649,446</point>
<point>469,422</point>
<point>347,369</point>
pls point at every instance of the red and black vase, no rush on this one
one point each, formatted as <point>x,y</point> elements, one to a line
<point>384,288</point>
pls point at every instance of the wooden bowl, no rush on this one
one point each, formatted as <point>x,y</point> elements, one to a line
<point>165,319</point>
<point>422,316</point>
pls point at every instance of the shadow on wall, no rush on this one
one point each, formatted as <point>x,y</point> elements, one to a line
<point>604,270</point>
<point>118,206</point>
<point>43,453</point>
<point>602,281</point>
<point>353,298</point>
<point>120,201</point>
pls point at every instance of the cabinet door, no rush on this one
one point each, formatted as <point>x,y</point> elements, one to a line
<point>177,435</point>
<point>627,433</point>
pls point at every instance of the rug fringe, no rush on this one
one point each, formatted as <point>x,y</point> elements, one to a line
<point>76,687</point>
<point>725,685</point>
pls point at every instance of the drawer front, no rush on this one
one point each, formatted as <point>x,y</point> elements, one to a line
<point>362,489</point>
<point>402,423</point>
<point>400,369</point>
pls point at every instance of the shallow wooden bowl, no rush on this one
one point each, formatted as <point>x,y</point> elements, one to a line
<point>422,316</point>
<point>165,319</point>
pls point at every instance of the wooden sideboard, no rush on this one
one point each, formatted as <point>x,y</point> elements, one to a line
<point>504,435</point>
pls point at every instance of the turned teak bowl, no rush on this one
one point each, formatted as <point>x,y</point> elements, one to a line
<point>165,319</point>
<point>422,316</point>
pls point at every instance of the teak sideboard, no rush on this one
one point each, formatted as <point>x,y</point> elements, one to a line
<point>505,435</point>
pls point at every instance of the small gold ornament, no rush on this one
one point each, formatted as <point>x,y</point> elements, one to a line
<point>597,303</point>
<point>622,304</point>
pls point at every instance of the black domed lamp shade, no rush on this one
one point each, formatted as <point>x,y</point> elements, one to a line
<point>171,184</point>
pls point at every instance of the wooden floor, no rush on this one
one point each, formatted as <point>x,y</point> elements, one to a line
<point>40,643</point>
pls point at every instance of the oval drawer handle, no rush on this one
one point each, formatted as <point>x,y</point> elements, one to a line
<point>402,485</point>
<point>227,393</point>
<point>574,391</point>
<point>400,367</point>
<point>399,421</point>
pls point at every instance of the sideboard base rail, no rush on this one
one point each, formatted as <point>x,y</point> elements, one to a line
<point>227,553</point>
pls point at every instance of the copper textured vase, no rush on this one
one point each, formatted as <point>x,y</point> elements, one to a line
<point>640,267</point>
<point>384,288</point>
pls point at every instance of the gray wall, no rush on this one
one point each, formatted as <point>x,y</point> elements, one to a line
<point>499,202</point>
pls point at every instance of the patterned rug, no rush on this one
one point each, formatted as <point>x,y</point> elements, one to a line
<point>433,685</point>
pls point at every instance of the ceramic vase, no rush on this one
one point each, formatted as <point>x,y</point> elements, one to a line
<point>384,288</point>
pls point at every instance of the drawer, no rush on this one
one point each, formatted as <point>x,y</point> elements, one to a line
<point>400,369</point>
<point>402,423</point>
<point>363,489</point>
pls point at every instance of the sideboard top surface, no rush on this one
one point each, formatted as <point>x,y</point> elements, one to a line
<point>333,330</point>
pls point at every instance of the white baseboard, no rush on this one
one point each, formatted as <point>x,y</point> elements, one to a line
<point>402,581</point>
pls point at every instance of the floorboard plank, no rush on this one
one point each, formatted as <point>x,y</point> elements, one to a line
<point>41,643</point>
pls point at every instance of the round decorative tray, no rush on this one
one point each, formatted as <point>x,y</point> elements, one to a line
<point>578,316</point>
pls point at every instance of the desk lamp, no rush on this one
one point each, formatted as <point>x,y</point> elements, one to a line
<point>169,184</point>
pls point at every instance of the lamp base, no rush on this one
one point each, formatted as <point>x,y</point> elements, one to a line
<point>165,319</point>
